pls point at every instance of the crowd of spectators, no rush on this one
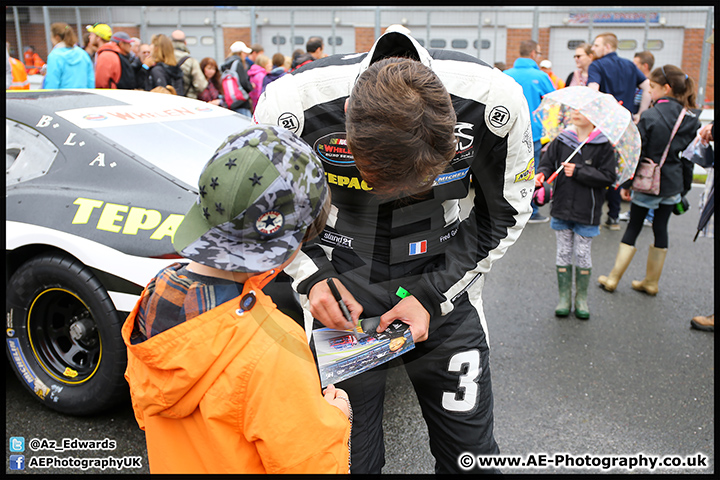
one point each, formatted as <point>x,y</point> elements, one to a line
<point>104,58</point>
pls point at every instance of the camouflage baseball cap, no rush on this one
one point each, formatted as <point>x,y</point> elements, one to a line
<point>258,194</point>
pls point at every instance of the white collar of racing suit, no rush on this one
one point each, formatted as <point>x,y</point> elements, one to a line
<point>395,44</point>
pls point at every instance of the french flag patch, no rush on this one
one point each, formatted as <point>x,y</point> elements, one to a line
<point>416,248</point>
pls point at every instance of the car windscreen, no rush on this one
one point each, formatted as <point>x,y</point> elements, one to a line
<point>178,137</point>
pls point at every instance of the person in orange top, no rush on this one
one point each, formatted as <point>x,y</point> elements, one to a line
<point>19,75</point>
<point>33,62</point>
<point>546,66</point>
<point>221,380</point>
<point>115,70</point>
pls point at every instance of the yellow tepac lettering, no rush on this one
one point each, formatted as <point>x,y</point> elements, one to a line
<point>168,227</point>
<point>342,181</point>
<point>110,215</point>
<point>365,186</point>
<point>331,178</point>
<point>85,208</point>
<point>141,218</point>
<point>354,183</point>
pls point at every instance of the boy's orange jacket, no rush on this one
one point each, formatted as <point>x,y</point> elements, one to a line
<point>233,391</point>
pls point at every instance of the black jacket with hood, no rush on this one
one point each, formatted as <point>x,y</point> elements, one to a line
<point>655,126</point>
<point>162,75</point>
<point>579,198</point>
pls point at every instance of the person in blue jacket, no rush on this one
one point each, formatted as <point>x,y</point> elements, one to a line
<point>68,65</point>
<point>535,83</point>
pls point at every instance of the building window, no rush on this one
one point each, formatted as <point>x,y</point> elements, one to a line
<point>574,44</point>
<point>459,43</point>
<point>654,45</point>
<point>437,43</point>
<point>191,41</point>
<point>485,44</point>
<point>337,41</point>
<point>299,40</point>
<point>207,40</point>
<point>627,44</point>
<point>278,40</point>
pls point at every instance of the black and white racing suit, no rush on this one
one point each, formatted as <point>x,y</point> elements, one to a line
<point>375,246</point>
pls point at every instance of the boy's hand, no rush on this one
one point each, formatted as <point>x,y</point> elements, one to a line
<point>539,178</point>
<point>338,398</point>
<point>569,169</point>
<point>408,310</point>
<point>326,310</point>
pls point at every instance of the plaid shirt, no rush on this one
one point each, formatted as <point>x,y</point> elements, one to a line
<point>176,295</point>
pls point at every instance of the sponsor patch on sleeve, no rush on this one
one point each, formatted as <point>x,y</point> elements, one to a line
<point>528,173</point>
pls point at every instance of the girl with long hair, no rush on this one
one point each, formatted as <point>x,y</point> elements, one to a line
<point>161,67</point>
<point>673,93</point>
<point>68,65</point>
<point>213,91</point>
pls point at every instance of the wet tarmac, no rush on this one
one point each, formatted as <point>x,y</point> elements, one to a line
<point>634,379</point>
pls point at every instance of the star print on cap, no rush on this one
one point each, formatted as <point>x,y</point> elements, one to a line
<point>257,195</point>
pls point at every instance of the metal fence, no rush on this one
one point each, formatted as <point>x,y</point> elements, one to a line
<point>424,21</point>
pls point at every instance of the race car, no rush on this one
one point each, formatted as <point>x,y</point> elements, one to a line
<point>97,182</point>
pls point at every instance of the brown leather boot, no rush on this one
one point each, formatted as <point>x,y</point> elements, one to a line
<point>706,324</point>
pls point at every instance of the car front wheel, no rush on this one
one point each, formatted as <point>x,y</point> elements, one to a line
<point>63,336</point>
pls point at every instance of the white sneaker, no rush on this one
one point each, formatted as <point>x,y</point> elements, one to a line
<point>647,223</point>
<point>624,217</point>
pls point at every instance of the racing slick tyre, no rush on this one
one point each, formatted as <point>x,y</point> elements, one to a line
<point>63,336</point>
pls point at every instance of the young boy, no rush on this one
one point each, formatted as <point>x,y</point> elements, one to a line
<point>222,381</point>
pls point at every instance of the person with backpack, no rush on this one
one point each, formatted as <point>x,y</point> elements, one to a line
<point>114,65</point>
<point>235,81</point>
<point>194,80</point>
<point>160,68</point>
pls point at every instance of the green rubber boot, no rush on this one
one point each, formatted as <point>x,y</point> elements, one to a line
<point>564,275</point>
<point>582,280</point>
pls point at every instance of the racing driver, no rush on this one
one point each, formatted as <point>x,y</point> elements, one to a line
<point>401,130</point>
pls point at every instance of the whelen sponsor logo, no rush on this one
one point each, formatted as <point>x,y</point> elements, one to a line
<point>333,149</point>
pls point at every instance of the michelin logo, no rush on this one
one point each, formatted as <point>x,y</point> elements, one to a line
<point>450,177</point>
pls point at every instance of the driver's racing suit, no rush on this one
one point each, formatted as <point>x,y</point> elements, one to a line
<point>375,246</point>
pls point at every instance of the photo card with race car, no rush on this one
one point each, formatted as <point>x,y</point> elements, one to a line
<point>342,354</point>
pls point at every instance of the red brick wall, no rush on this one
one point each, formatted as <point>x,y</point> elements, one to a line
<point>364,38</point>
<point>515,36</point>
<point>132,31</point>
<point>691,60</point>
<point>32,34</point>
<point>232,35</point>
